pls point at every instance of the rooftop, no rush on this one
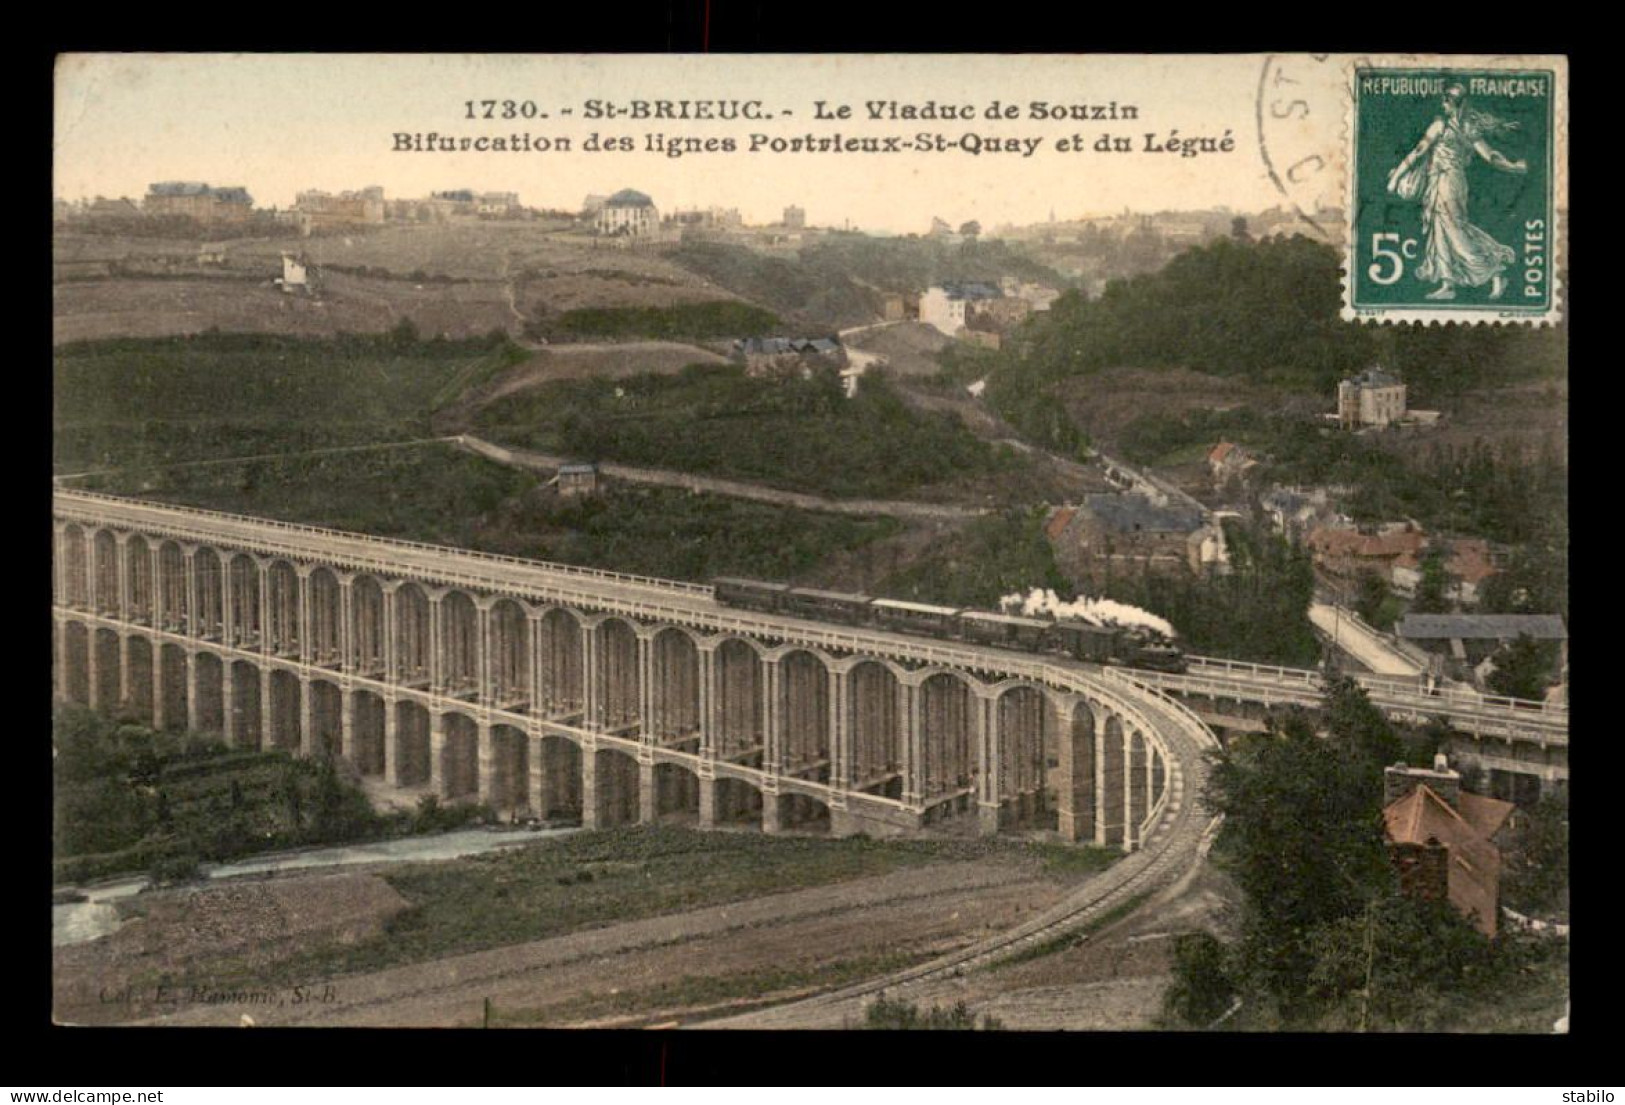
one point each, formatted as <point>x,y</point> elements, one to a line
<point>1375,377</point>
<point>628,197</point>
<point>1128,513</point>
<point>971,291</point>
<point>1481,627</point>
<point>1475,862</point>
<point>776,346</point>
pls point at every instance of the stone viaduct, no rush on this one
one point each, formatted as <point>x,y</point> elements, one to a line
<point>559,692</point>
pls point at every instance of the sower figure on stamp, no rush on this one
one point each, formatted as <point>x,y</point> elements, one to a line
<point>1457,253</point>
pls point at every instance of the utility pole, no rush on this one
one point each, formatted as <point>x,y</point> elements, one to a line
<point>1370,950</point>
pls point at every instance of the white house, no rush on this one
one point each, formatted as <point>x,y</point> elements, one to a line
<point>627,213</point>
<point>944,305</point>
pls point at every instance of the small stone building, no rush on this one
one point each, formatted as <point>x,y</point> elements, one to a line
<point>578,479</point>
<point>783,358</point>
<point>1128,534</point>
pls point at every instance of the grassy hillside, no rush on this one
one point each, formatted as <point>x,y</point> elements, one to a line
<point>153,401</point>
<point>439,494</point>
<point>799,434</point>
<point>838,281</point>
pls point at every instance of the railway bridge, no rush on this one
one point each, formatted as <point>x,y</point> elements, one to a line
<point>557,691</point>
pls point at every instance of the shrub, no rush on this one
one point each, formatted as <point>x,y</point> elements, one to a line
<point>174,869</point>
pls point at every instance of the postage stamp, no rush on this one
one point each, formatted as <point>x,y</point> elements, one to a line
<point>1454,177</point>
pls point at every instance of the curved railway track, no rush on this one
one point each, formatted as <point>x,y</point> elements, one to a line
<point>1171,848</point>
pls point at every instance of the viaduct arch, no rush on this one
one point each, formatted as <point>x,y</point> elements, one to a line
<point>555,692</point>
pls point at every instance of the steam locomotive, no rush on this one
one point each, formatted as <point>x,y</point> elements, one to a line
<point>1131,646</point>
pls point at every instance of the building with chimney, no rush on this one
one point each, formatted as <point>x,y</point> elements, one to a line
<point>1442,840</point>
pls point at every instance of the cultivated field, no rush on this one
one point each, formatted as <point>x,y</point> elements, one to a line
<point>451,279</point>
<point>628,927</point>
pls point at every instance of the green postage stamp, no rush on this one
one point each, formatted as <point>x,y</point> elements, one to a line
<point>1455,173</point>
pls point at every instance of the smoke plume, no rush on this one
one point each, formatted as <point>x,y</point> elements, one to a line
<point>1041,601</point>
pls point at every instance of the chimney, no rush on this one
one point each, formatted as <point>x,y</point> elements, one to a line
<point>1424,869</point>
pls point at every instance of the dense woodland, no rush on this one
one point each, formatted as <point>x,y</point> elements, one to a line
<point>1266,311</point>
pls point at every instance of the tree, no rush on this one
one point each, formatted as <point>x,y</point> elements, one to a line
<point>1523,668</point>
<point>1201,991</point>
<point>1536,862</point>
<point>1370,592</point>
<point>1358,726</point>
<point>970,229</point>
<point>1303,839</point>
<point>1433,592</point>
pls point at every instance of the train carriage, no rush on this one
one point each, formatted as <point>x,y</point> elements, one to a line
<point>807,602</point>
<point>1005,630</point>
<point>916,617</point>
<point>750,594</point>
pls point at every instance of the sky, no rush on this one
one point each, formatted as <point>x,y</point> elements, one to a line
<point>278,124</point>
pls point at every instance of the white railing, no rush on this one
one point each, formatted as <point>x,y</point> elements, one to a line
<point>138,506</point>
<point>1398,685</point>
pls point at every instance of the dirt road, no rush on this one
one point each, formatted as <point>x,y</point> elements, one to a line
<point>738,489</point>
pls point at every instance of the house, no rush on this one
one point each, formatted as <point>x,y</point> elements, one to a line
<point>1442,839</point>
<point>1345,553</point>
<point>782,358</point>
<point>1294,511</point>
<point>578,479</point>
<point>1038,297</point>
<point>1468,563</point>
<point>1471,638</point>
<point>1373,398</point>
<point>628,214</point>
<point>896,306</point>
<point>496,204</point>
<point>1130,532</point>
<point>198,201</point>
<point>795,218</point>
<point>946,306</point>
<point>102,208</point>
<point>317,210</point>
<point>295,274</point>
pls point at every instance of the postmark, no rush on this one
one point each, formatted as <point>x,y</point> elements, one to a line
<point>1454,176</point>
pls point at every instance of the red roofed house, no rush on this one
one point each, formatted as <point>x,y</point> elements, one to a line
<point>1058,522</point>
<point>1441,839</point>
<point>1346,552</point>
<point>1468,566</point>
<point>1227,459</point>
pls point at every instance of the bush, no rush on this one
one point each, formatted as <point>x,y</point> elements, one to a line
<point>171,870</point>
<point>889,1013</point>
<point>1202,990</point>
